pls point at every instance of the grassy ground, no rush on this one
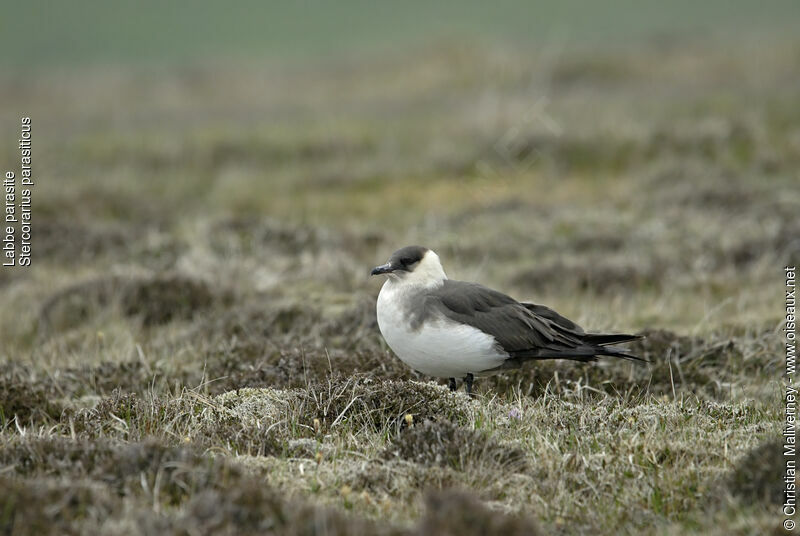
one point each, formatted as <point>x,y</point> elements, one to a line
<point>195,347</point>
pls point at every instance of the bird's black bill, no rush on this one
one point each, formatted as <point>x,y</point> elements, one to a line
<point>382,269</point>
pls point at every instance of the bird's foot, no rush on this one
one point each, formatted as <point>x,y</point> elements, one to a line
<point>468,379</point>
<point>452,384</point>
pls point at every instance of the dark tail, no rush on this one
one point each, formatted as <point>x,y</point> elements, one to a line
<point>600,343</point>
<point>602,340</point>
<point>593,345</point>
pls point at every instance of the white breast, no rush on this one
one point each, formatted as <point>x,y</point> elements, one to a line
<point>439,347</point>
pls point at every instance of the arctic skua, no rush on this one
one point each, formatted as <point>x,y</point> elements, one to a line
<point>460,330</point>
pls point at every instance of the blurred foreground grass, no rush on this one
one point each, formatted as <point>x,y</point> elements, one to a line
<point>195,347</point>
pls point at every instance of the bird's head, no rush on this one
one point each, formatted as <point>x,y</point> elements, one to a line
<point>415,265</point>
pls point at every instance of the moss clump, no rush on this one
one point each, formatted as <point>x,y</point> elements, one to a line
<point>253,508</point>
<point>758,477</point>
<point>442,443</point>
<point>27,400</point>
<point>458,513</point>
<point>122,414</point>
<point>658,345</point>
<point>75,304</point>
<point>107,376</point>
<point>180,471</point>
<point>283,345</point>
<point>70,241</point>
<point>359,402</point>
<point>155,300</point>
<point>241,425</point>
<point>161,299</point>
<point>365,402</point>
<point>28,506</point>
<point>195,493</point>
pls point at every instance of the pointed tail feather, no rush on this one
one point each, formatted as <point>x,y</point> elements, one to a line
<point>601,339</point>
<point>613,351</point>
<point>594,345</point>
<point>600,342</point>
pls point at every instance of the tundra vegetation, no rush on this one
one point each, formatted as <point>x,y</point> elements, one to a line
<point>194,348</point>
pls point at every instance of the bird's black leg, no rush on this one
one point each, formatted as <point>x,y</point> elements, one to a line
<point>452,384</point>
<point>468,383</point>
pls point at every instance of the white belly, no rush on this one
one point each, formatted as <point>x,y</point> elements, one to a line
<point>439,347</point>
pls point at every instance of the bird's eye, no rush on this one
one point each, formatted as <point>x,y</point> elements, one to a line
<point>407,261</point>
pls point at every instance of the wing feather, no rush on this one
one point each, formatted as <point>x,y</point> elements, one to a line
<point>523,330</point>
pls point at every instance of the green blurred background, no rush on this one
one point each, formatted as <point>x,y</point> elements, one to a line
<point>89,31</point>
